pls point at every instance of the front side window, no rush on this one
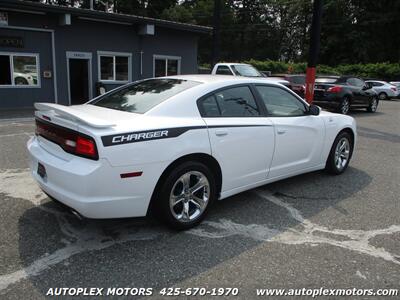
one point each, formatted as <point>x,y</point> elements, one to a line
<point>166,66</point>
<point>114,68</point>
<point>19,70</point>
<point>232,102</point>
<point>280,103</point>
<point>144,95</point>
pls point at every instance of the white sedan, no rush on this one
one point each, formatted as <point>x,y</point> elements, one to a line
<point>385,90</point>
<point>174,145</point>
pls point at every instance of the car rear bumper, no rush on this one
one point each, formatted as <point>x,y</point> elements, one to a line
<point>94,189</point>
<point>327,104</point>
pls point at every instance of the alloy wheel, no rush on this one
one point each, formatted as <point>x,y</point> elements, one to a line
<point>189,196</point>
<point>345,106</point>
<point>374,104</point>
<point>342,153</point>
<point>382,96</point>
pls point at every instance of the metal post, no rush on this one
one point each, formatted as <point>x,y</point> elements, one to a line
<point>216,32</point>
<point>314,49</point>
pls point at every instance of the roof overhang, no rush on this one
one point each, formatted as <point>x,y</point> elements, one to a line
<point>35,7</point>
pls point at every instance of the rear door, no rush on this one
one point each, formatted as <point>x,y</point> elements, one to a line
<point>298,135</point>
<point>241,137</point>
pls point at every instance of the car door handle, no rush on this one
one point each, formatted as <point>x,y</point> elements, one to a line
<point>281,131</point>
<point>221,132</point>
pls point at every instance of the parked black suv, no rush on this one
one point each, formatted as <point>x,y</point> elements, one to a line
<point>344,92</point>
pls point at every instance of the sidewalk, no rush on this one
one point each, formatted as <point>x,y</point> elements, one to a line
<point>16,114</point>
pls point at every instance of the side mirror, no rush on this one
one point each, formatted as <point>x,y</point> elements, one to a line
<point>314,110</point>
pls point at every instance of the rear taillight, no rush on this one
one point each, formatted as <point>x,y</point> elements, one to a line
<point>393,89</point>
<point>85,146</point>
<point>71,141</point>
<point>334,89</point>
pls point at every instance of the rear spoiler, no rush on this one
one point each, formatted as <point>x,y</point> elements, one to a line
<point>73,114</point>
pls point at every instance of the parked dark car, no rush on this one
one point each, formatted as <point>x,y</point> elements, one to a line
<point>297,82</point>
<point>344,92</point>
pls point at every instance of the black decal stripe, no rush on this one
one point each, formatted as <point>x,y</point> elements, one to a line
<point>233,126</point>
<point>131,137</point>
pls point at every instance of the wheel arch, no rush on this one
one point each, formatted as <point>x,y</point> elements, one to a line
<point>204,158</point>
<point>350,131</point>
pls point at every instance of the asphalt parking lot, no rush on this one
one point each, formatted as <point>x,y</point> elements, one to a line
<point>311,231</point>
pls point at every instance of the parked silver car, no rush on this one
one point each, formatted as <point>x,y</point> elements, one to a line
<point>384,89</point>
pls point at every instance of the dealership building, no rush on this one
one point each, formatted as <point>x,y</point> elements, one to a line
<point>67,55</point>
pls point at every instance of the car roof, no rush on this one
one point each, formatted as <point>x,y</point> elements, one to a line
<point>384,82</point>
<point>205,78</point>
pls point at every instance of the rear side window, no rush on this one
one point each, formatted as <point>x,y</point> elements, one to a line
<point>223,70</point>
<point>232,102</point>
<point>144,95</point>
<point>355,82</point>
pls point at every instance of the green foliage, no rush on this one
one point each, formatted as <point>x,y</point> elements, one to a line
<point>353,32</point>
<point>378,70</point>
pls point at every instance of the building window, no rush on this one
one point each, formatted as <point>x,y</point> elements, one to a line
<point>19,70</point>
<point>114,67</point>
<point>166,65</point>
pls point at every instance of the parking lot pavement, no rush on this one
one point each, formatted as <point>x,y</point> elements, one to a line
<point>311,231</point>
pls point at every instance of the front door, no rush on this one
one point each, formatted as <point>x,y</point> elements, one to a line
<point>79,80</point>
<point>298,135</point>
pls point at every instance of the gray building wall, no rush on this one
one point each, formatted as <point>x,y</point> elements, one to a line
<point>91,37</point>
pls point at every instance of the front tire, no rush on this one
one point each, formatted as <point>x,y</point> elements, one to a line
<point>383,96</point>
<point>186,195</point>
<point>373,106</point>
<point>340,154</point>
<point>344,106</point>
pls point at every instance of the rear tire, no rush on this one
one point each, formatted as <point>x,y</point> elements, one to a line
<point>186,195</point>
<point>373,106</point>
<point>340,154</point>
<point>344,106</point>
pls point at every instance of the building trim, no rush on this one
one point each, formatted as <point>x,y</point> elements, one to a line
<point>105,21</point>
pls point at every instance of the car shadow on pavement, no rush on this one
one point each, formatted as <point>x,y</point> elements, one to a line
<point>58,250</point>
<point>377,134</point>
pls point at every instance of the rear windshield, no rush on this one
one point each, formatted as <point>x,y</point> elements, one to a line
<point>144,95</point>
<point>246,71</point>
<point>326,80</point>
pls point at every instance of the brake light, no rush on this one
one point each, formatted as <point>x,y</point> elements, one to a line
<point>85,147</point>
<point>393,89</point>
<point>334,89</point>
<point>69,140</point>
